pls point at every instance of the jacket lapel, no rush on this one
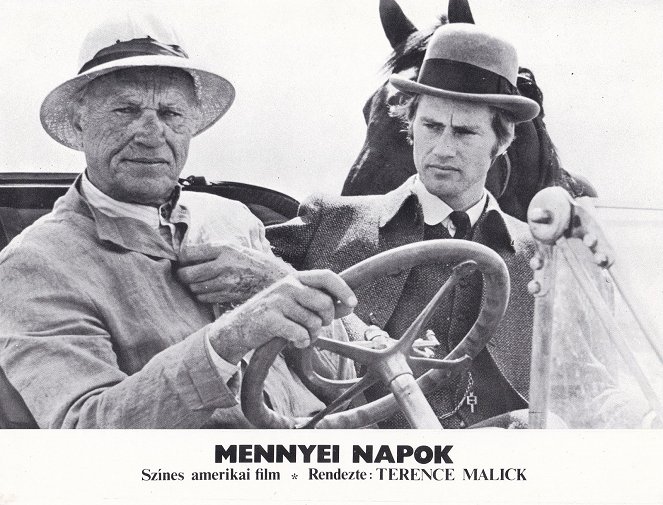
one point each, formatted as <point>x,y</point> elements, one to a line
<point>513,335</point>
<point>397,221</point>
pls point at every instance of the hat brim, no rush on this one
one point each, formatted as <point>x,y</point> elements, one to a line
<point>520,107</point>
<point>215,94</point>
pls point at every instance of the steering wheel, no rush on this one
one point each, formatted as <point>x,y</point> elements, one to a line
<point>391,363</point>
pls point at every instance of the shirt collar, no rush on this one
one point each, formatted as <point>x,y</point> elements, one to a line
<point>437,211</point>
<point>492,222</point>
<point>127,232</point>
<point>151,216</point>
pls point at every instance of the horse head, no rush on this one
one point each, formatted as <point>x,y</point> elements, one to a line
<point>385,161</point>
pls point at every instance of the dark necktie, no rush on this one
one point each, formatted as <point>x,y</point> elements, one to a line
<point>461,221</point>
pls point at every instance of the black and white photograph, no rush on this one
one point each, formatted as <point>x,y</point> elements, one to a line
<point>309,251</point>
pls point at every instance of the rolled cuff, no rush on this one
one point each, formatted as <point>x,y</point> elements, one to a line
<point>197,378</point>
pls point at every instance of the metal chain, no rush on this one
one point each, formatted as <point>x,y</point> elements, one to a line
<point>470,383</point>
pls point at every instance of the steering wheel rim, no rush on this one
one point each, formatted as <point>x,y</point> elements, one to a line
<point>495,299</point>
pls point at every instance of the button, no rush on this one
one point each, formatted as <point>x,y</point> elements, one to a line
<point>536,263</point>
<point>534,287</point>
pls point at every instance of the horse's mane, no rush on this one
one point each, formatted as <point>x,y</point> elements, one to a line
<point>410,52</point>
<point>528,87</point>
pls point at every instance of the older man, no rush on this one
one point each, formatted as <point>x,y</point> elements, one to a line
<point>461,118</point>
<point>98,328</point>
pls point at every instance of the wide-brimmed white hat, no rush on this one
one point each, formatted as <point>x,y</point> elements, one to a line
<point>134,41</point>
<point>464,62</point>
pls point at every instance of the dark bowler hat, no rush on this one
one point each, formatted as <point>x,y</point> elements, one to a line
<point>466,63</point>
<point>139,41</point>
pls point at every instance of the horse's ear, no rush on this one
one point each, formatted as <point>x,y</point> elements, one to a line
<point>397,27</point>
<point>459,12</point>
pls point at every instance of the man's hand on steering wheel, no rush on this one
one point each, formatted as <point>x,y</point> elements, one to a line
<point>392,363</point>
<point>296,308</point>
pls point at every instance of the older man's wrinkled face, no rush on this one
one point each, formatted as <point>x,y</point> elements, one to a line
<point>135,126</point>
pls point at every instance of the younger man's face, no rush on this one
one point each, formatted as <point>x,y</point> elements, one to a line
<point>453,148</point>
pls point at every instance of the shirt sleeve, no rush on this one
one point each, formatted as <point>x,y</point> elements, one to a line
<point>218,220</point>
<point>259,239</point>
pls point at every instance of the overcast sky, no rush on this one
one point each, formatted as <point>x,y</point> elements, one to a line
<point>303,69</point>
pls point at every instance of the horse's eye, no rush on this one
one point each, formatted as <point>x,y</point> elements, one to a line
<point>396,98</point>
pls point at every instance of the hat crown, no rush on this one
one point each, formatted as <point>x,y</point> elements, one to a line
<point>463,62</point>
<point>129,42</point>
<point>123,29</point>
<point>466,43</point>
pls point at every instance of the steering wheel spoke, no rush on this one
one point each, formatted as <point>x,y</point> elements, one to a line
<point>355,351</point>
<point>460,271</point>
<point>359,386</point>
<point>449,367</point>
<point>358,352</point>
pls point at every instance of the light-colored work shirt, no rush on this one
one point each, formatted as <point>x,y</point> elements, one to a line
<point>158,219</point>
<point>97,331</point>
